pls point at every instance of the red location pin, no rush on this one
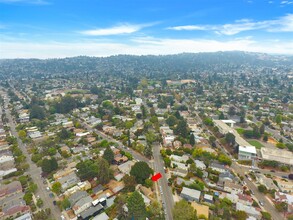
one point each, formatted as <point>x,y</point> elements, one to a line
<point>156,177</point>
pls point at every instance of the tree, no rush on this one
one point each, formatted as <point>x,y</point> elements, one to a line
<point>49,165</point>
<point>230,138</point>
<point>262,188</point>
<point>221,116</point>
<point>141,171</point>
<point>22,134</point>
<point>136,206</point>
<point>108,155</point>
<point>154,209</point>
<point>192,139</point>
<point>104,172</point>
<point>129,182</point>
<point>28,198</point>
<point>64,134</point>
<point>266,216</point>
<point>37,112</point>
<point>231,111</point>
<point>65,204</point>
<point>241,215</point>
<point>87,169</point>
<point>184,211</point>
<point>278,119</point>
<point>171,120</point>
<point>265,138</point>
<point>281,207</point>
<point>40,202</point>
<point>181,129</point>
<point>56,188</point>
<point>262,129</point>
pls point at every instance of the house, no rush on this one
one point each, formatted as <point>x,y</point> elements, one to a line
<point>179,159</point>
<point>226,176</point>
<point>10,189</point>
<point>14,207</point>
<point>200,165</point>
<point>77,196</point>
<point>62,173</point>
<point>245,199</point>
<point>98,189</point>
<point>115,186</point>
<point>82,205</point>
<point>232,197</point>
<point>179,181</point>
<point>201,210</point>
<point>246,152</point>
<point>26,216</point>
<point>190,194</point>
<point>251,211</point>
<point>126,167</point>
<point>91,212</point>
<point>232,187</point>
<point>181,166</point>
<point>146,200</point>
<point>68,181</point>
<point>268,182</point>
<point>283,197</point>
<point>285,186</point>
<point>102,216</point>
<point>208,198</point>
<point>218,167</point>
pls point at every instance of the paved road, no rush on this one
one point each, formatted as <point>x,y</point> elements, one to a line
<point>136,155</point>
<point>259,196</point>
<point>167,197</point>
<point>33,170</point>
<point>241,170</point>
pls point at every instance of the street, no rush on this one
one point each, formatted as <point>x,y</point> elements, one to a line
<point>167,196</point>
<point>33,170</point>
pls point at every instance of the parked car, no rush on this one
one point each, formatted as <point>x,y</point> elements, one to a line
<point>54,202</point>
<point>261,203</point>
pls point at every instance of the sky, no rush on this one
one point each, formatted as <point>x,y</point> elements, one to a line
<point>66,28</point>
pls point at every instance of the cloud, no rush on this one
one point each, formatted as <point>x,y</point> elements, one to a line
<point>286,2</point>
<point>139,46</point>
<point>34,2</point>
<point>282,24</point>
<point>116,30</point>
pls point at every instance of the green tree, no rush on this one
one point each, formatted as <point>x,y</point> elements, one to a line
<point>22,134</point>
<point>56,188</point>
<point>184,211</point>
<point>141,171</point>
<point>108,155</point>
<point>262,188</point>
<point>281,207</point>
<point>64,134</point>
<point>49,165</point>
<point>265,138</point>
<point>181,129</point>
<point>192,139</point>
<point>104,172</point>
<point>240,215</point>
<point>129,182</point>
<point>154,209</point>
<point>65,204</point>
<point>230,138</point>
<point>37,112</point>
<point>32,187</point>
<point>278,119</point>
<point>171,120</point>
<point>40,203</point>
<point>87,169</point>
<point>28,198</point>
<point>262,129</point>
<point>221,116</point>
<point>266,216</point>
<point>150,137</point>
<point>136,206</point>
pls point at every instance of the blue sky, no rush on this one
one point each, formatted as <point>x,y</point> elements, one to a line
<point>65,28</point>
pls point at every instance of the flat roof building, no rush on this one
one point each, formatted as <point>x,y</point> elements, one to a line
<point>281,156</point>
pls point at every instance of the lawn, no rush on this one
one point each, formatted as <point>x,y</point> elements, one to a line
<point>240,130</point>
<point>256,144</point>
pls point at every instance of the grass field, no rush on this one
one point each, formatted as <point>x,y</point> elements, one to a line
<point>240,130</point>
<point>256,144</point>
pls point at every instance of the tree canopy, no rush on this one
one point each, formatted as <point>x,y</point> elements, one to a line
<point>108,155</point>
<point>136,206</point>
<point>141,171</point>
<point>184,211</point>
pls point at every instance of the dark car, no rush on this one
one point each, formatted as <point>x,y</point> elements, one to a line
<point>54,202</point>
<point>273,171</point>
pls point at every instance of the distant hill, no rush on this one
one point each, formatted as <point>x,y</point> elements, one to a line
<point>144,65</point>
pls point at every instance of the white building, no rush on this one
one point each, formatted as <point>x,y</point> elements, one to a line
<point>246,153</point>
